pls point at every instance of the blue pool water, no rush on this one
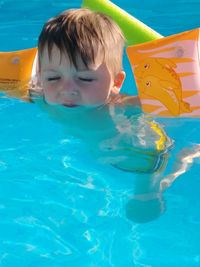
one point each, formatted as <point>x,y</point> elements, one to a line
<point>58,205</point>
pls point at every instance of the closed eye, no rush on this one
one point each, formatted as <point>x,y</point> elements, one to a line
<point>50,79</point>
<point>86,79</point>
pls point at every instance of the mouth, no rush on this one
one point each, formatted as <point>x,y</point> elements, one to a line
<point>70,105</point>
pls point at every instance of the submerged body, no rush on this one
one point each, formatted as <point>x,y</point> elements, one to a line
<point>118,135</point>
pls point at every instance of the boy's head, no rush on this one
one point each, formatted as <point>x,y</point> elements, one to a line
<point>78,50</point>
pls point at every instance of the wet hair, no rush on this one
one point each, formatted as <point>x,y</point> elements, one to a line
<point>83,32</point>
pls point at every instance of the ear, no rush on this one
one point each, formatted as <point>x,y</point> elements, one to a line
<point>119,79</point>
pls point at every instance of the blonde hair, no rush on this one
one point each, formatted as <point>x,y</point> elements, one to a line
<point>84,32</point>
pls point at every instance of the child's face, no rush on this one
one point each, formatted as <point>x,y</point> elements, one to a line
<point>63,84</point>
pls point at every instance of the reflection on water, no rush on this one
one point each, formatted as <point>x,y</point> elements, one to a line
<point>59,204</point>
<point>182,164</point>
<point>126,139</point>
<point>147,202</point>
<point>123,137</point>
<point>119,136</point>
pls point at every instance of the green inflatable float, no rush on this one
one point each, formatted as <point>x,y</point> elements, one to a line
<point>134,30</point>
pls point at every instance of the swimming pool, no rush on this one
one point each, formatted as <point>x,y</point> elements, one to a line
<point>58,206</point>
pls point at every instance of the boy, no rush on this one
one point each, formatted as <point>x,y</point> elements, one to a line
<point>79,74</point>
<point>80,59</point>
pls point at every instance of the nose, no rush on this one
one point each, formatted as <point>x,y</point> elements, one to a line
<point>69,88</point>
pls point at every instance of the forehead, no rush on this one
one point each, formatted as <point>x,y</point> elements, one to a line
<point>57,58</point>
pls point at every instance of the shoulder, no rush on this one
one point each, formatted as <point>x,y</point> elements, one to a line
<point>123,99</point>
<point>131,100</point>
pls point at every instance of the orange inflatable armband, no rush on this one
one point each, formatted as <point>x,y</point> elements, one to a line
<point>15,71</point>
<point>167,74</point>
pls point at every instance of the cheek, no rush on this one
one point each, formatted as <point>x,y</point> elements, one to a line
<point>49,90</point>
<point>98,92</point>
<point>104,89</point>
<point>47,87</point>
